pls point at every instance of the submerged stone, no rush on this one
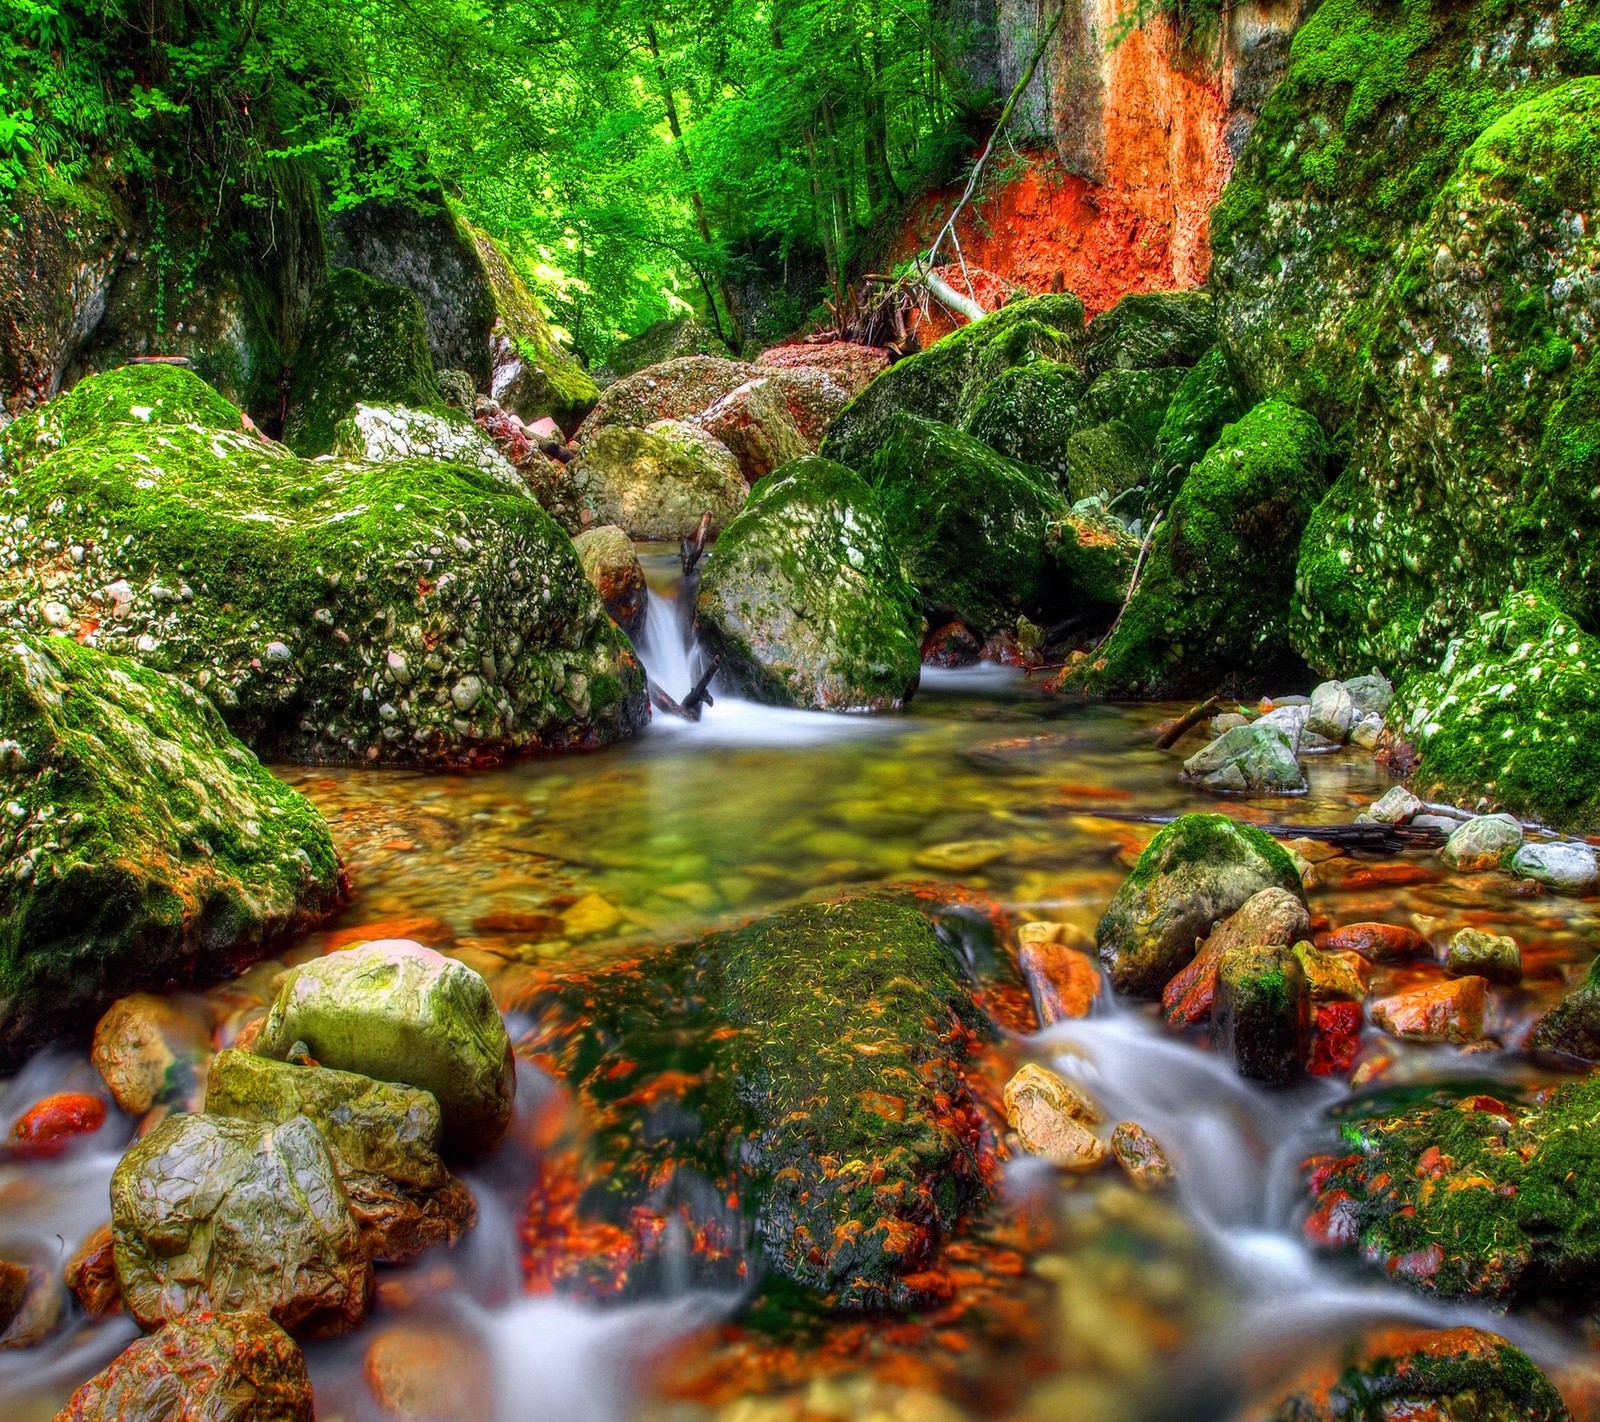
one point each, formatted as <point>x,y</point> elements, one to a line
<point>142,844</point>
<point>1196,872</point>
<point>1483,842</point>
<point>808,1067</point>
<point>805,599</point>
<point>396,1011</point>
<point>332,610</point>
<point>213,1213</point>
<point>1435,1012</point>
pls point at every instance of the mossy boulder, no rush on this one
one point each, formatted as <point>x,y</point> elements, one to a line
<point>396,1011</point>
<point>805,599</point>
<point>1572,1027</point>
<point>1104,461</point>
<point>1137,399</point>
<point>1471,1197</point>
<point>1201,408</point>
<point>1261,1017</point>
<point>1030,412</point>
<point>382,433</point>
<point>1094,557</point>
<point>1442,1373</point>
<point>613,569</point>
<point>1151,331</point>
<point>143,845</point>
<point>970,523</point>
<point>805,1070</point>
<point>1512,713</point>
<point>1212,604</point>
<point>403,612</point>
<point>1472,463</point>
<point>364,341</point>
<point>947,381</point>
<point>212,1213</point>
<point>679,389</point>
<point>668,339</point>
<point>1196,872</point>
<point>657,482</point>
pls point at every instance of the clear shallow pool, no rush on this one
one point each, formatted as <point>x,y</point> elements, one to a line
<point>1091,1303</point>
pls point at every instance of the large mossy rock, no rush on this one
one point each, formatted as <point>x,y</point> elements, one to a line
<point>1472,466</point>
<point>228,1216</point>
<point>1512,713</point>
<point>207,1367</point>
<point>142,844</point>
<point>1196,872</point>
<point>806,1069</point>
<point>1212,604</point>
<point>671,338</point>
<point>970,523</point>
<point>679,389</point>
<point>1201,408</point>
<point>947,381</point>
<point>404,612</point>
<point>1151,331</point>
<point>612,566</point>
<point>1472,1197</point>
<point>382,433</point>
<point>1030,412</point>
<point>364,341</point>
<point>1435,1374</point>
<point>396,1011</point>
<point>659,481</point>
<point>1094,556</point>
<point>805,599</point>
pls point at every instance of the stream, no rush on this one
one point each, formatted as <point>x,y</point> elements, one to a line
<point>1098,1302</point>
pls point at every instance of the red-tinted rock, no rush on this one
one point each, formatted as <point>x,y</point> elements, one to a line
<point>1064,981</point>
<point>851,365</point>
<point>51,1125</point>
<point>1335,1038</point>
<point>1274,916</point>
<point>1438,1012</point>
<point>1380,942</point>
<point>953,645</point>
<point>91,1274</point>
<point>429,1375</point>
<point>754,422</point>
<point>204,1367</point>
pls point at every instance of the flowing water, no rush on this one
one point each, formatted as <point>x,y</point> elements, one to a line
<point>1099,1303</point>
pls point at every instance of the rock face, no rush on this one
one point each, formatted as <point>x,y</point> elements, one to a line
<point>1458,1372</point>
<point>1511,713</point>
<point>396,1011</point>
<point>656,482</point>
<point>1213,600</point>
<point>405,612</point>
<point>1471,1198</point>
<point>207,1367</point>
<point>225,1215</point>
<point>1197,871</point>
<point>814,1076</point>
<point>144,845</point>
<point>805,599</point>
<point>970,524</point>
<point>612,568</point>
<point>364,341</point>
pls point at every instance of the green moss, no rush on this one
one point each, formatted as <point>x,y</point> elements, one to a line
<point>1513,714</point>
<point>1030,412</point>
<point>947,381</point>
<point>142,844</point>
<point>1095,556</point>
<point>1104,461</point>
<point>1462,1201</point>
<point>364,340</point>
<point>1202,406</point>
<point>403,611</point>
<point>970,524</point>
<point>1211,608</point>
<point>666,339</point>
<point>805,599</point>
<point>1137,399</point>
<point>1151,330</point>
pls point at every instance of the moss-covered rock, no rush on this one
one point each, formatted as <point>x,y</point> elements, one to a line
<point>947,381</point>
<point>227,1216</point>
<point>1473,1197</point>
<point>678,389</point>
<point>668,339</point>
<point>1212,604</point>
<point>364,340</point>
<point>1512,713</point>
<point>1196,872</point>
<point>1572,1026</point>
<point>657,482</point>
<point>1094,557</point>
<point>1448,1373</point>
<point>1201,408</point>
<point>1150,331</point>
<point>613,569</point>
<point>805,599</point>
<point>1138,399</point>
<point>382,433</point>
<point>1104,461</point>
<point>970,524</point>
<point>807,1069</point>
<point>1261,1019</point>
<point>142,844</point>
<point>402,612</point>
<point>1028,413</point>
<point>1471,471</point>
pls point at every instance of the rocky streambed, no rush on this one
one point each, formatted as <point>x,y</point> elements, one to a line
<point>824,1104</point>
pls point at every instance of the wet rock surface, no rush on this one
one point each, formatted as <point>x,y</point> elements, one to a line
<point>657,481</point>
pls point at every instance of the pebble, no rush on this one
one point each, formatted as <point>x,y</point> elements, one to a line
<point>1440,1012</point>
<point>1494,956</point>
<point>1052,1119</point>
<point>591,915</point>
<point>1482,842</point>
<point>1138,1153</point>
<point>1565,867</point>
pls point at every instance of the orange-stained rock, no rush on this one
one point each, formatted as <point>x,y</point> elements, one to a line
<point>432,932</point>
<point>1064,981</point>
<point>1335,1038</point>
<point>1379,942</point>
<point>1273,917</point>
<point>51,1125</point>
<point>1052,1118</point>
<point>1138,1153</point>
<point>145,1049</point>
<point>13,1289</point>
<point>204,1367</point>
<point>430,1375</point>
<point>1440,1012</point>
<point>91,1274</point>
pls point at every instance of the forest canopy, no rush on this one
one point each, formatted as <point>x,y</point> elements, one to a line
<point>637,158</point>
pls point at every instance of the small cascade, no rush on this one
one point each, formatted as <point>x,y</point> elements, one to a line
<point>666,646</point>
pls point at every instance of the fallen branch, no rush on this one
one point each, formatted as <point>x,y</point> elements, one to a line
<point>1375,838</point>
<point>1187,722</point>
<point>701,693</point>
<point>693,548</point>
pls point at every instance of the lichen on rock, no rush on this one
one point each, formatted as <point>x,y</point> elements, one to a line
<point>658,481</point>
